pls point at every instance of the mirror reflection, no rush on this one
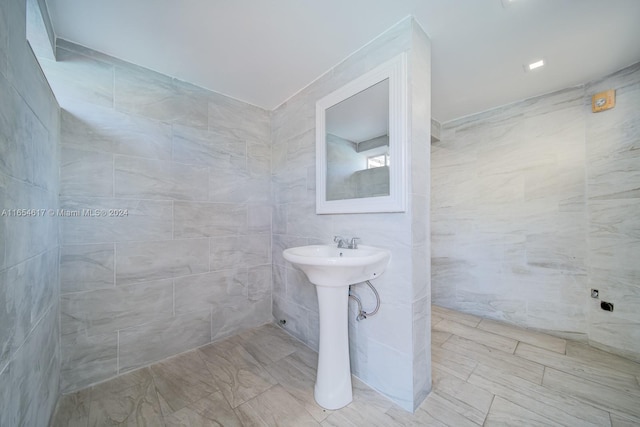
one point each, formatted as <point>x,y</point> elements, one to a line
<point>357,145</point>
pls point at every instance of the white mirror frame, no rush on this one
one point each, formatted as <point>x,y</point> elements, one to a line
<point>396,71</point>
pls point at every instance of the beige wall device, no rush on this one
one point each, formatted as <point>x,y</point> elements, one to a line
<point>603,101</point>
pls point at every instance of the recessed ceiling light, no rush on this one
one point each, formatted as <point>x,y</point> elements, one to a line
<point>534,65</point>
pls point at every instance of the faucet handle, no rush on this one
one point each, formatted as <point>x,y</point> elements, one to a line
<point>354,243</point>
<point>341,241</point>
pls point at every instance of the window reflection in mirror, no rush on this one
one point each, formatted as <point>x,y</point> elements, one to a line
<point>357,143</point>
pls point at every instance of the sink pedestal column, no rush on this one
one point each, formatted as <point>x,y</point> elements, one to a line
<point>333,381</point>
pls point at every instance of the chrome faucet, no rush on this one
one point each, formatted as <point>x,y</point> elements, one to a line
<point>342,242</point>
<point>345,243</point>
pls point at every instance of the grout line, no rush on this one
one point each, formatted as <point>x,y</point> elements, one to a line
<point>118,353</point>
<point>489,410</point>
<point>115,263</point>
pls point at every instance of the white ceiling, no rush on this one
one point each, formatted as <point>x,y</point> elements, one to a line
<point>264,51</point>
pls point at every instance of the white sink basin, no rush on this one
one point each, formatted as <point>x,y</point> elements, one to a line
<point>327,265</point>
<point>332,270</point>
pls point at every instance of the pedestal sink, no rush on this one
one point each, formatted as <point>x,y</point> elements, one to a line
<point>332,270</point>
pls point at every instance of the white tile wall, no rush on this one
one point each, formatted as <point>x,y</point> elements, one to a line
<point>532,205</point>
<point>29,246</point>
<point>192,169</point>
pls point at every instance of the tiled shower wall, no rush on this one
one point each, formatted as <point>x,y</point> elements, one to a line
<point>535,203</point>
<point>29,143</point>
<point>389,351</point>
<point>613,210</point>
<point>189,260</point>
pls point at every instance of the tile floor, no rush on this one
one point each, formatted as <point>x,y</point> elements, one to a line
<point>484,373</point>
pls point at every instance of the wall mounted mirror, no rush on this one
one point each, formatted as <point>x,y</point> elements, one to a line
<point>361,143</point>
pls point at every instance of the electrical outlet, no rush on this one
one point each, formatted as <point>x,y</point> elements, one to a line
<point>606,306</point>
<point>595,293</point>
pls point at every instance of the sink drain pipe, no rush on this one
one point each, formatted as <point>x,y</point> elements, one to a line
<point>361,313</point>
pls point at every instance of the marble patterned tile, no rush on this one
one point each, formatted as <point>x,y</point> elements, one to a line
<point>299,384</point>
<point>294,117</point>
<point>234,251</point>
<point>279,287</point>
<point>181,380</point>
<point>290,186</point>
<point>76,77</point>
<point>302,221</point>
<point>91,127</point>
<point>133,406</point>
<point>87,267</point>
<point>504,412</point>
<point>238,375</point>
<point>592,355</point>
<point>418,419</point>
<point>259,159</point>
<point>73,410</point>
<point>497,359</point>
<point>158,179</point>
<point>486,338</point>
<point>557,407</point>
<point>142,345</point>
<point>598,395</point>
<point>438,337</point>
<point>259,218</point>
<point>389,371</point>
<point>210,290</point>
<point>210,411</point>
<point>452,362</point>
<point>358,414</point>
<point>296,318</point>
<point>143,261</point>
<point>87,359</point>
<point>275,408</point>
<point>269,343</point>
<point>139,377</point>
<point>139,91</point>
<point>601,375</point>
<point>16,149</point>
<point>236,119</point>
<point>473,399</point>
<point>198,219</point>
<point>253,189</point>
<point>447,313</point>
<point>259,282</point>
<point>624,420</point>
<point>278,157</point>
<point>3,41</point>
<point>530,337</point>
<point>238,315</point>
<point>141,220</point>
<point>86,173</point>
<point>34,371</point>
<point>25,294</point>
<point>196,146</point>
<point>446,411</point>
<point>614,240</point>
<point>107,310</point>
<point>301,149</point>
<point>27,237</point>
<point>9,400</point>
